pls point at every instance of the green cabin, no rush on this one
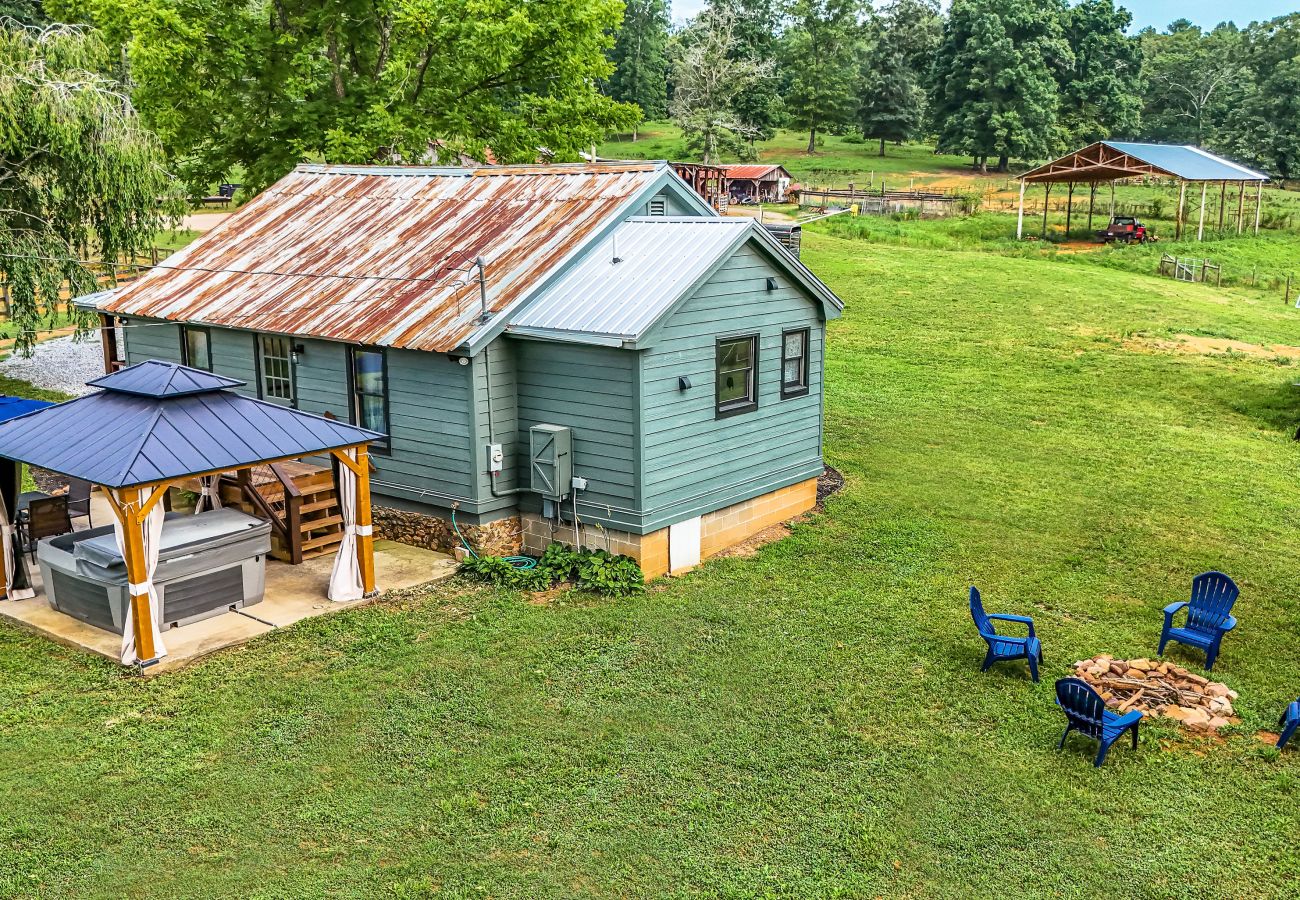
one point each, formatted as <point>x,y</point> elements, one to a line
<point>580,353</point>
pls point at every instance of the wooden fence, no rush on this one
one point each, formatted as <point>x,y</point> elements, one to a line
<point>122,271</point>
<point>883,201</point>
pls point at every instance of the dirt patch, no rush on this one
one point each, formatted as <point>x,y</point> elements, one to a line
<point>1211,346</point>
<point>1079,247</point>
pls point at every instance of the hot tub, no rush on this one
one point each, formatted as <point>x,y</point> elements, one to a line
<point>207,563</point>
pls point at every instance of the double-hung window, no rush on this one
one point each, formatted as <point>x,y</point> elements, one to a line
<point>275,360</point>
<point>737,378</point>
<point>196,347</point>
<point>794,363</point>
<point>369,372</point>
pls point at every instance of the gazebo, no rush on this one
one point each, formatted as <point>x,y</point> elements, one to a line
<point>1107,162</point>
<point>156,424</point>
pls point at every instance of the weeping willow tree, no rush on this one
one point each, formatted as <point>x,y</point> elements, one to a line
<point>81,181</point>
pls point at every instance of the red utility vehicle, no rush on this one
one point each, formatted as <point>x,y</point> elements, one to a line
<point>1126,229</point>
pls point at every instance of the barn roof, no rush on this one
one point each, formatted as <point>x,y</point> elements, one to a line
<point>755,171</point>
<point>160,421</point>
<point>625,285</point>
<point>1112,160</point>
<point>383,254</point>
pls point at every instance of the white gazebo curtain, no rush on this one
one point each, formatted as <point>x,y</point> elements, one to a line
<point>12,555</point>
<point>345,580</point>
<point>209,494</point>
<point>153,525</point>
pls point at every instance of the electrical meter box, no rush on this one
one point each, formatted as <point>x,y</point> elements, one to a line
<point>550,451</point>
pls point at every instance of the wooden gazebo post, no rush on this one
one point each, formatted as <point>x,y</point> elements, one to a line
<point>132,512</point>
<point>365,526</point>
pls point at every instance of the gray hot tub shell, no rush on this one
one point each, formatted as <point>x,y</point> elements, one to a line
<point>207,563</point>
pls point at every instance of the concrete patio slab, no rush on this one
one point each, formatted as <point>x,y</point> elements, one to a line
<point>293,593</point>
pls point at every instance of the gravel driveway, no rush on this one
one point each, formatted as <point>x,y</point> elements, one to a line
<point>59,364</point>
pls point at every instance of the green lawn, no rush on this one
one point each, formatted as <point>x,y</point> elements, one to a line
<point>807,722</point>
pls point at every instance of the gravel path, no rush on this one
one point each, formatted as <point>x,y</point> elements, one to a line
<point>59,364</point>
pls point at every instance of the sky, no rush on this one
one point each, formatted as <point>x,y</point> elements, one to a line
<point>1158,13</point>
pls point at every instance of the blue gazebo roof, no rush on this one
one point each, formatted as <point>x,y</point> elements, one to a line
<point>157,421</point>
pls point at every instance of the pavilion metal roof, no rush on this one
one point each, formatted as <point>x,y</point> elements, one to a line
<point>124,436</point>
<point>383,254</point>
<point>1114,160</point>
<point>755,171</point>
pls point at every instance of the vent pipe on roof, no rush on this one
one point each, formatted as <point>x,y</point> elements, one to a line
<point>613,242</point>
<point>484,315</point>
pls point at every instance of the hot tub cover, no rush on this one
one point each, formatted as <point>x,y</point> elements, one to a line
<point>183,534</point>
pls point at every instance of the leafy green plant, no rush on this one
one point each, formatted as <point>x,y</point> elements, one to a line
<point>597,571</point>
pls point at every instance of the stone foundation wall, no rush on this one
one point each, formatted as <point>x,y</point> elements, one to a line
<point>498,538</point>
<point>719,530</point>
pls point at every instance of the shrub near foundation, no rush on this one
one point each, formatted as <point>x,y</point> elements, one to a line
<point>597,571</point>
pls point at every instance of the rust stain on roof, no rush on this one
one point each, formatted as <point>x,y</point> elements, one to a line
<point>755,171</point>
<point>382,255</point>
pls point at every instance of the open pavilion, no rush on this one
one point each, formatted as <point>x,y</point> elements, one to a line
<point>1107,162</point>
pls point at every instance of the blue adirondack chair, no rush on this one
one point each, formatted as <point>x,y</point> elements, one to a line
<point>1288,723</point>
<point>1086,712</point>
<point>1208,619</point>
<point>1003,646</point>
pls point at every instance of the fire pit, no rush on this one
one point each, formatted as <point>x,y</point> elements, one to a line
<point>1160,689</point>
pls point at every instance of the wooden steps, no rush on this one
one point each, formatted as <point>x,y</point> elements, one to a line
<point>309,511</point>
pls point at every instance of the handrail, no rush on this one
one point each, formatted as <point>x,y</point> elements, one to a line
<point>292,513</point>
<point>245,481</point>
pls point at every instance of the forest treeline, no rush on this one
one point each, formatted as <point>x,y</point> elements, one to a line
<point>992,79</point>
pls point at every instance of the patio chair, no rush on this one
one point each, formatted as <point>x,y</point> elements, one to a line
<point>79,500</point>
<point>46,517</point>
<point>1288,723</point>
<point>1002,646</point>
<point>1208,619</point>
<point>1086,713</point>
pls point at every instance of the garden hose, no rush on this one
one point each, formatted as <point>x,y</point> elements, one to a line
<point>519,562</point>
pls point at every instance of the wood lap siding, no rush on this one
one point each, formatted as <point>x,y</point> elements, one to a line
<point>687,451</point>
<point>593,391</point>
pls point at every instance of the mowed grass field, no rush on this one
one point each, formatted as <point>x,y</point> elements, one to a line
<point>809,721</point>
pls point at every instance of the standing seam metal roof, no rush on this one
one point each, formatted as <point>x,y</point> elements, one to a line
<point>1187,162</point>
<point>373,254</point>
<point>122,438</point>
<point>658,259</point>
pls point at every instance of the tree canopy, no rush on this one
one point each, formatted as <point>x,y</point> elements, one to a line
<point>260,87</point>
<point>819,51</point>
<point>640,58</point>
<point>81,179</point>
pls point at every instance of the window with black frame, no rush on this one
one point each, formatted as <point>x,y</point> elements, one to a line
<point>196,347</point>
<point>370,389</point>
<point>794,363</point>
<point>275,361</point>
<point>737,386</point>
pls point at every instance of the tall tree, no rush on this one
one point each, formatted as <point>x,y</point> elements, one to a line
<point>80,179</point>
<point>263,86</point>
<point>759,105</point>
<point>1192,80</point>
<point>995,79</point>
<point>892,97</point>
<point>820,57</point>
<point>24,12</point>
<point>640,58</point>
<point>1263,126</point>
<point>708,77</point>
<point>1101,92</point>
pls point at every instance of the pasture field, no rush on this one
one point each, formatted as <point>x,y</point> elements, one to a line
<point>1079,439</point>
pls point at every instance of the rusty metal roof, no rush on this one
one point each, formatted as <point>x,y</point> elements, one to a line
<point>383,254</point>
<point>755,171</point>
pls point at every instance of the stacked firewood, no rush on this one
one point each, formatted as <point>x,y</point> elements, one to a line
<point>1160,689</point>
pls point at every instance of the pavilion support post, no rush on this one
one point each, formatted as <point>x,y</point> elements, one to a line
<point>1182,203</point>
<point>1047,196</point>
<point>1092,200</point>
<point>1200,228</point>
<point>1223,201</point>
<point>1069,210</point>
<point>1259,203</point>
<point>1241,206</point>
<point>1020,216</point>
